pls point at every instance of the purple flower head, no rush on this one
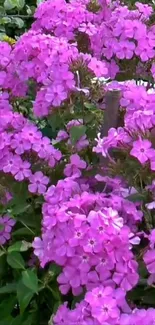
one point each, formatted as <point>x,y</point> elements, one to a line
<point>38,183</point>
<point>125,50</point>
<point>152,238</point>
<point>2,77</point>
<point>106,309</point>
<point>75,165</point>
<point>38,247</point>
<point>21,170</point>
<point>55,95</point>
<point>150,205</point>
<point>142,150</point>
<point>144,9</point>
<point>149,259</point>
<point>99,68</point>
<point>20,145</point>
<point>31,133</point>
<point>126,275</point>
<point>6,225</point>
<point>42,147</point>
<point>72,123</point>
<point>61,136</point>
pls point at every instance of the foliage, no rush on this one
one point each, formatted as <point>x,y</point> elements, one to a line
<point>16,16</point>
<point>77,239</point>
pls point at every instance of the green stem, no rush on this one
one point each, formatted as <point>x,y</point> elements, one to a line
<point>27,227</point>
<point>17,16</point>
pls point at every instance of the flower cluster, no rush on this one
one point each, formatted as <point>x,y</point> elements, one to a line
<point>49,63</point>
<point>135,138</point>
<point>45,63</point>
<point>23,148</point>
<point>114,31</point>
<point>92,232</point>
<point>104,305</point>
<point>88,235</point>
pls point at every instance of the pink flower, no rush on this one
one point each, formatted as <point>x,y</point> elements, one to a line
<point>2,77</point>
<point>152,238</point>
<point>6,225</point>
<point>61,136</point>
<point>10,163</point>
<point>20,145</point>
<point>38,183</point>
<point>149,259</point>
<point>125,275</point>
<point>55,95</point>
<point>99,68</point>
<point>106,309</point>
<point>150,205</point>
<point>31,133</point>
<point>82,143</point>
<point>142,150</point>
<point>70,278</point>
<point>38,247</point>
<point>135,29</point>
<point>75,165</point>
<point>88,28</point>
<point>144,50</point>
<point>21,170</point>
<point>42,147</point>
<point>125,49</point>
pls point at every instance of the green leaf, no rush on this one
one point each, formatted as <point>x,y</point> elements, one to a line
<point>20,207</point>
<point>77,299</point>
<point>30,220</point>
<point>6,20</point>
<point>9,4</point>
<point>2,29</point>
<point>135,197</point>
<point>2,265</point>
<point>55,122</point>
<point>149,297</point>
<point>30,280</point>
<point>2,11</point>
<point>28,10</point>
<point>6,321</point>
<point>54,270</point>
<point>2,35</point>
<point>19,22</point>
<point>6,307</point>
<point>17,320</point>
<point>10,287</point>
<point>22,232</point>
<point>90,106</point>
<point>20,4</point>
<point>19,246</point>
<point>24,296</point>
<point>1,252</point>
<point>48,132</point>
<point>22,320</point>
<point>15,260</point>
<point>76,132</point>
<point>18,204</point>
